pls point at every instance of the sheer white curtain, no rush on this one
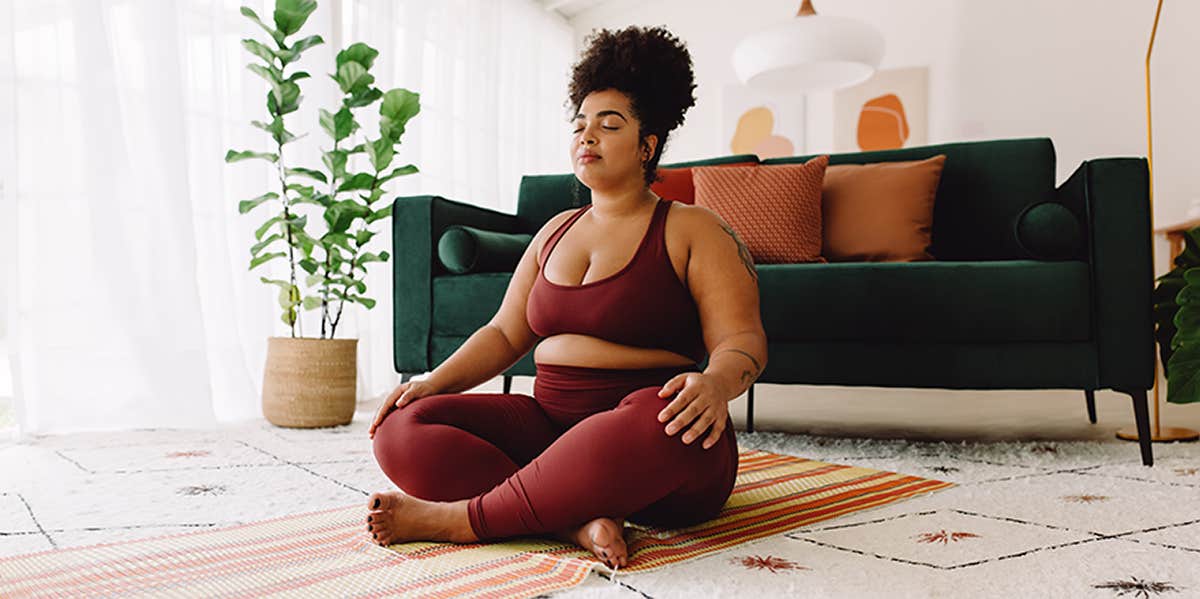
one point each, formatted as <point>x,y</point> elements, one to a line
<point>128,303</point>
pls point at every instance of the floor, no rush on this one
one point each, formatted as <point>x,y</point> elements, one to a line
<point>1017,457</point>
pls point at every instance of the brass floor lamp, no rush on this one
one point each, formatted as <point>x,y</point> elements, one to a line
<point>1157,433</point>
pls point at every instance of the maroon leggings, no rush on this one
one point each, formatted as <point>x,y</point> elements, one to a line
<point>588,444</point>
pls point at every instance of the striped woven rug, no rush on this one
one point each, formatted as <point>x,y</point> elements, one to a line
<point>328,553</point>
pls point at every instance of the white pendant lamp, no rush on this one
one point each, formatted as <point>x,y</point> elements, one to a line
<point>809,53</point>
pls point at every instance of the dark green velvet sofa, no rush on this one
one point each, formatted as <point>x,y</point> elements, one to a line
<point>1034,287</point>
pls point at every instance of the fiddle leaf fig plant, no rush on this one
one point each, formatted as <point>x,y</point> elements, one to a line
<point>345,197</point>
<point>285,225</point>
<point>351,198</point>
<point>1177,319</point>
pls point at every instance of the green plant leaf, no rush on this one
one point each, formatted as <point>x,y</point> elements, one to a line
<point>275,128</point>
<point>247,205</point>
<point>310,266</point>
<point>1183,382</point>
<point>262,229</point>
<point>250,14</point>
<point>368,257</point>
<point>307,42</point>
<point>401,171</point>
<point>352,77</point>
<point>257,48</point>
<point>298,75</point>
<point>1190,256</point>
<point>304,240</point>
<point>312,302</point>
<point>366,301</point>
<point>308,172</point>
<point>337,238</point>
<point>357,181</point>
<point>289,296</point>
<point>314,280</point>
<point>287,96</point>
<point>380,152</point>
<point>256,248</point>
<point>364,97</point>
<point>363,236</point>
<point>335,161</point>
<point>235,156</point>
<point>275,282</point>
<point>357,52</point>
<point>290,15</point>
<point>289,317</point>
<point>270,73</point>
<point>398,107</point>
<point>339,126</point>
<point>384,212</point>
<point>265,258</point>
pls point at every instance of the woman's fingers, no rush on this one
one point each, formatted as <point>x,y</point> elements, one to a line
<point>714,435</point>
<point>681,401</point>
<point>404,398</point>
<point>672,385</point>
<point>387,406</point>
<point>702,423</point>
<point>685,417</point>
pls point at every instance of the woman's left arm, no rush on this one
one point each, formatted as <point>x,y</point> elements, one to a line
<point>724,284</point>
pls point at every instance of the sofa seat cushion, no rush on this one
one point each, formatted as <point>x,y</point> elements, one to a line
<point>1007,300</point>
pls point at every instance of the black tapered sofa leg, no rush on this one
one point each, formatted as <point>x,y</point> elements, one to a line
<point>1090,396</point>
<point>1141,414</point>
<point>750,409</point>
<point>508,383</point>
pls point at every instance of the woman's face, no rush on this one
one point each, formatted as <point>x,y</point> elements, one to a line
<point>606,129</point>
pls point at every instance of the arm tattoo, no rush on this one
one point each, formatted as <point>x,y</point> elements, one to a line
<point>743,253</point>
<point>746,374</point>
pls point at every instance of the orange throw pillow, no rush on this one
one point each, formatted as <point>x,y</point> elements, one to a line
<point>775,209</point>
<point>880,212</point>
<point>676,183</point>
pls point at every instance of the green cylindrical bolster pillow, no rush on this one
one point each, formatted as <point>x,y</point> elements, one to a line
<point>1049,231</point>
<point>465,249</point>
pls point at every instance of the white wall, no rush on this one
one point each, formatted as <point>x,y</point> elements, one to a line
<point>1071,70</point>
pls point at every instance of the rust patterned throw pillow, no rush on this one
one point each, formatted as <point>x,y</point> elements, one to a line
<point>775,209</point>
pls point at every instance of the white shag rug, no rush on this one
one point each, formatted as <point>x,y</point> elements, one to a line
<point>1035,519</point>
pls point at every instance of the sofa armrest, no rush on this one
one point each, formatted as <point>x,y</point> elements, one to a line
<point>417,224</point>
<point>1112,197</point>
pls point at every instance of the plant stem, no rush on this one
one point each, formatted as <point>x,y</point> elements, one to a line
<point>287,226</point>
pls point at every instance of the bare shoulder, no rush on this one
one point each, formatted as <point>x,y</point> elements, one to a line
<point>539,239</point>
<point>697,223</point>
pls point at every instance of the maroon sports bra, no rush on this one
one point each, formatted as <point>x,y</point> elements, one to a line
<point>643,305</point>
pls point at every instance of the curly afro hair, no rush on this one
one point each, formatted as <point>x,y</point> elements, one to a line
<point>651,66</point>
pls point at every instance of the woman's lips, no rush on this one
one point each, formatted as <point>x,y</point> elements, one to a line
<point>587,159</point>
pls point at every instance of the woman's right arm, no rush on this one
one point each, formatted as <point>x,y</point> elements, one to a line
<point>506,338</point>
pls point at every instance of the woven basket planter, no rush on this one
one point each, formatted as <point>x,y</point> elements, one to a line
<point>310,383</point>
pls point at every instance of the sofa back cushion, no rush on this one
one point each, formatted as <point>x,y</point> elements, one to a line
<point>542,196</point>
<point>984,188</point>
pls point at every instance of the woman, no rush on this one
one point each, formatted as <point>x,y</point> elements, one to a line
<point>626,295</point>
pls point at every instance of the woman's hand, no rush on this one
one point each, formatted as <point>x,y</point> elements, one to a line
<point>701,402</point>
<point>404,394</point>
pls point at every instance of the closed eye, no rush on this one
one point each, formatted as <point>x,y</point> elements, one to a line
<point>609,128</point>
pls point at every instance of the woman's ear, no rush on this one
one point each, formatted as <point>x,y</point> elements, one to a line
<point>650,143</point>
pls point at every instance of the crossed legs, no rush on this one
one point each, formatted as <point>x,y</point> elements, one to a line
<point>500,465</point>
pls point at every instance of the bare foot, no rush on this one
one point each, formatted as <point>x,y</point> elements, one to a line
<point>604,537</point>
<point>398,518</point>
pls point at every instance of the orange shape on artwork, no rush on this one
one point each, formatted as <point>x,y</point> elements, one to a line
<point>753,135</point>
<point>882,124</point>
